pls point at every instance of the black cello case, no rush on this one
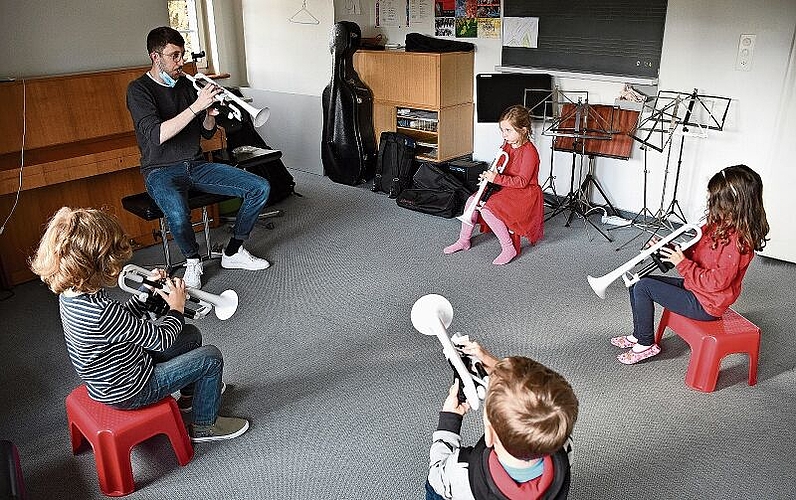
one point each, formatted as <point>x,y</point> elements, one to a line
<point>348,145</point>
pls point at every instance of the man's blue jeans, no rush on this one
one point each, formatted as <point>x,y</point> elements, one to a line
<point>189,367</point>
<point>169,186</point>
<point>668,292</point>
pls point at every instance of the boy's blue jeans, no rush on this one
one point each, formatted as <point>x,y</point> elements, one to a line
<point>169,186</point>
<point>668,292</point>
<point>189,367</point>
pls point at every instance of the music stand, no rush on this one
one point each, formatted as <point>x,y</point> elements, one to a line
<point>675,113</point>
<point>585,130</point>
<point>547,107</point>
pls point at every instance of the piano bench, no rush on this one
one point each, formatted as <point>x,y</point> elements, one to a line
<point>143,206</point>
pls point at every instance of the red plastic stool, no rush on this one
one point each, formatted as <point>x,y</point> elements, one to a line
<point>710,341</point>
<point>516,239</point>
<point>112,434</point>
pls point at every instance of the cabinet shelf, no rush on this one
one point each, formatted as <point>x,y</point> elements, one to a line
<point>427,96</point>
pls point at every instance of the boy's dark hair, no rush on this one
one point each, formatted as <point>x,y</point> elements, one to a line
<point>158,38</point>
<point>531,408</point>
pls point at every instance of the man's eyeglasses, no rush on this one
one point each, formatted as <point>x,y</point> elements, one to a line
<point>175,56</point>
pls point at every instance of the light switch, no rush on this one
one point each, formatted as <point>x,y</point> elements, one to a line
<point>746,49</point>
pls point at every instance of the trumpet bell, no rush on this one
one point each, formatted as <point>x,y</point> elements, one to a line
<point>599,285</point>
<point>429,310</point>
<point>260,116</point>
<point>227,304</point>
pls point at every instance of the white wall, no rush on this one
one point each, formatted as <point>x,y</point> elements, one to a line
<point>49,38</point>
<point>289,65</point>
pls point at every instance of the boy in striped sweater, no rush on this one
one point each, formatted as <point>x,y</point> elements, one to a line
<point>125,359</point>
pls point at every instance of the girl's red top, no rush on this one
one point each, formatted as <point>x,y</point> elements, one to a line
<point>714,276</point>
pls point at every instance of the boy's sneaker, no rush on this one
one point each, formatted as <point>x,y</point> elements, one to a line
<point>193,273</point>
<point>242,259</point>
<point>185,403</point>
<point>224,428</point>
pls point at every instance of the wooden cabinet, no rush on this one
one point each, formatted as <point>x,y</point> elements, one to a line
<point>428,96</point>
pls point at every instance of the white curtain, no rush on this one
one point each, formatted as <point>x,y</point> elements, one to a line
<point>779,178</point>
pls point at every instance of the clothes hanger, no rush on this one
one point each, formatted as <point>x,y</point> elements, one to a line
<point>303,16</point>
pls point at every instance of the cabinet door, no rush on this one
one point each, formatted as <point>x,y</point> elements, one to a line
<point>455,132</point>
<point>383,118</point>
<point>408,78</point>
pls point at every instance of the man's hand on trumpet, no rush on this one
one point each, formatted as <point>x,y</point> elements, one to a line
<point>206,97</point>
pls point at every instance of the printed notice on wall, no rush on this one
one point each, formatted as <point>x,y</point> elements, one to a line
<point>521,32</point>
<point>391,13</point>
<point>419,12</point>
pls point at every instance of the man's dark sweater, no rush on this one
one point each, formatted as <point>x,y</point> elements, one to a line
<point>151,104</point>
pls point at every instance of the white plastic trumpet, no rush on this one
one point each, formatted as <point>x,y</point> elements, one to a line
<point>259,115</point>
<point>599,285</point>
<point>432,315</point>
<point>224,305</point>
<point>498,164</point>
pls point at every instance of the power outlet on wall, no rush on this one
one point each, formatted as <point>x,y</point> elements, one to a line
<point>746,49</point>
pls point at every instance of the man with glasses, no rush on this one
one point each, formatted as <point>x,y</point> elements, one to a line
<point>170,117</point>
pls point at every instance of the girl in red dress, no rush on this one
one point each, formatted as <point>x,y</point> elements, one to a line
<point>518,206</point>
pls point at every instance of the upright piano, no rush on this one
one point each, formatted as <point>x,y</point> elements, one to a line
<point>70,140</point>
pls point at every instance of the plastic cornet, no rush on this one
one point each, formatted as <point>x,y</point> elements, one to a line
<point>259,115</point>
<point>498,164</point>
<point>599,285</point>
<point>197,306</point>
<point>432,315</point>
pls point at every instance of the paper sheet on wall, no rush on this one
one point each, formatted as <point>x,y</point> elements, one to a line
<point>419,11</point>
<point>353,7</point>
<point>391,13</point>
<point>521,32</point>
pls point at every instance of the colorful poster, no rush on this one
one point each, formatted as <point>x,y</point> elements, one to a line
<point>466,21</point>
<point>488,28</point>
<point>488,9</point>
<point>444,8</point>
<point>444,26</point>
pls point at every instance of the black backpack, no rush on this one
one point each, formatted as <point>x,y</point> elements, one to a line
<point>434,192</point>
<point>282,182</point>
<point>394,167</point>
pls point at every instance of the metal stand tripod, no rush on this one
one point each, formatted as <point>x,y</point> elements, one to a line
<point>665,120</point>
<point>579,124</point>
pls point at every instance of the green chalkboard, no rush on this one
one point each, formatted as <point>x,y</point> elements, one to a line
<point>606,37</point>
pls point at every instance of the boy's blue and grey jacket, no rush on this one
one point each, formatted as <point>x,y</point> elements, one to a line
<point>462,473</point>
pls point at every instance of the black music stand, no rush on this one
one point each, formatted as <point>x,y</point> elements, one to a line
<point>577,121</point>
<point>674,113</point>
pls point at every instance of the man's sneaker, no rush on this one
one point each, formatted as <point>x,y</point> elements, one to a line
<point>193,273</point>
<point>224,428</point>
<point>242,259</point>
<point>185,403</point>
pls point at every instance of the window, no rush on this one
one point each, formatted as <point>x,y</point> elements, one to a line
<point>185,16</point>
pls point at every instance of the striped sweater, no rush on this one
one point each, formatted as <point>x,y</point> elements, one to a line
<point>108,342</point>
